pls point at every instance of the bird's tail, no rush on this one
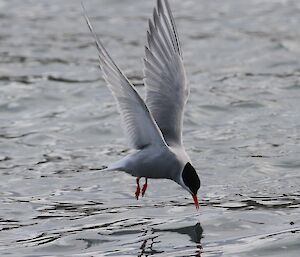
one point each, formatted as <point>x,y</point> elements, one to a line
<point>119,166</point>
<point>109,169</point>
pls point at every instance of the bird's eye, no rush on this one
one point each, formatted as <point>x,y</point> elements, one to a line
<point>190,178</point>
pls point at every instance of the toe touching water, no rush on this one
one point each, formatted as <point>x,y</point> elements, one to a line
<point>154,126</point>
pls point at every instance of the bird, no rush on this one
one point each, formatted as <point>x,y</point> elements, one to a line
<point>153,126</point>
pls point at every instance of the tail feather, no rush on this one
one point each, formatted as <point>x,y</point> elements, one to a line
<point>110,169</point>
<point>115,166</point>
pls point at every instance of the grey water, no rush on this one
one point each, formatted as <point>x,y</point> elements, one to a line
<point>59,126</point>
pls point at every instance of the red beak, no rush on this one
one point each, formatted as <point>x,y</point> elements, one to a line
<point>196,201</point>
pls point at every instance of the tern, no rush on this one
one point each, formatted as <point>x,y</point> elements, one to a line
<point>153,126</point>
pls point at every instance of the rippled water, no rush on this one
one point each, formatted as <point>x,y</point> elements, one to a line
<point>59,127</point>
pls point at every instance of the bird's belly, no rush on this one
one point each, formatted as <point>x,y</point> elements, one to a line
<point>153,172</point>
<point>161,165</point>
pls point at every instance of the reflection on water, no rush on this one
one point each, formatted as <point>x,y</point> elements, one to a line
<point>59,127</point>
<point>194,232</point>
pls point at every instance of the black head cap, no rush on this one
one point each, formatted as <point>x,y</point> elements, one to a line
<point>190,178</point>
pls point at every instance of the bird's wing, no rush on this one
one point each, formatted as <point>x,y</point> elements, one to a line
<point>139,124</point>
<point>165,80</point>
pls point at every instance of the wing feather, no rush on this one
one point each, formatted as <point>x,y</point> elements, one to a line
<point>139,124</point>
<point>165,80</point>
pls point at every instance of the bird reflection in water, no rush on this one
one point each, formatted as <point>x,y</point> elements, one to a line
<point>194,232</point>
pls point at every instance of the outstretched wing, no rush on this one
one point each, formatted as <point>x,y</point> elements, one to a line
<point>139,124</point>
<point>166,87</point>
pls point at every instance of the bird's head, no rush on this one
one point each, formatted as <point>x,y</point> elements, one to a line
<point>190,181</point>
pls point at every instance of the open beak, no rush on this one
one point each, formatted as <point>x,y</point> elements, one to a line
<point>196,201</point>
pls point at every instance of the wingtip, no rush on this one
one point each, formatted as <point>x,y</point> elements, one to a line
<point>159,6</point>
<point>84,12</point>
<point>82,5</point>
<point>155,16</point>
<point>169,11</point>
<point>147,51</point>
<point>87,20</point>
<point>150,24</point>
<point>148,37</point>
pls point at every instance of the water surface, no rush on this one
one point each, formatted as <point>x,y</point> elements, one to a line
<point>59,126</point>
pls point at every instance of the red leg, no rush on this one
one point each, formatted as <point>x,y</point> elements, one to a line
<point>138,189</point>
<point>144,187</point>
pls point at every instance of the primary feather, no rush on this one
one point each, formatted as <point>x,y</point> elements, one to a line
<point>165,80</point>
<point>138,122</point>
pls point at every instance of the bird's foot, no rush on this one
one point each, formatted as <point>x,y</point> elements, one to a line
<point>137,192</point>
<point>138,189</point>
<point>144,187</point>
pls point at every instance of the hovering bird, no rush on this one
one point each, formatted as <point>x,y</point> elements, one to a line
<point>153,126</point>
